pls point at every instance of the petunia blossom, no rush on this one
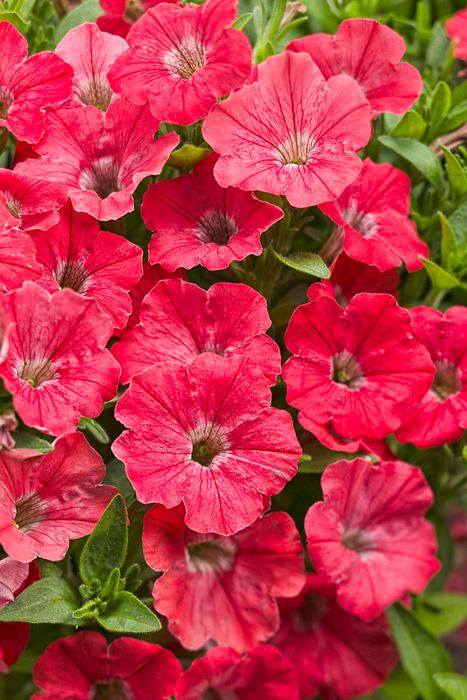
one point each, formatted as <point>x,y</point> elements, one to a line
<point>222,588</point>
<point>84,666</point>
<point>91,53</point>
<point>29,85</point>
<point>119,15</point>
<point>197,222</point>
<point>206,435</point>
<point>76,254</point>
<point>441,415</point>
<point>178,321</point>
<point>337,656</point>
<point>56,364</point>
<point>15,576</point>
<point>181,60</point>
<point>101,158</point>
<point>27,204</point>
<point>222,673</point>
<point>291,132</point>
<point>370,53</point>
<point>18,261</point>
<point>368,536</point>
<point>372,220</point>
<point>49,499</point>
<point>352,368</point>
<point>456,28</point>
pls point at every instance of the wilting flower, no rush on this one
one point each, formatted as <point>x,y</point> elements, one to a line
<point>262,673</point>
<point>83,666</point>
<point>370,52</point>
<point>352,368</point>
<point>119,15</point>
<point>56,364</point>
<point>91,53</point>
<point>456,28</point>
<point>15,576</point>
<point>222,588</point>
<point>369,537</point>
<point>48,500</point>
<point>291,132</point>
<point>76,254</point>
<point>197,222</point>
<point>336,655</point>
<point>179,321</point>
<point>372,220</point>
<point>182,59</point>
<point>101,158</point>
<point>441,415</point>
<point>206,435</point>
<point>29,204</point>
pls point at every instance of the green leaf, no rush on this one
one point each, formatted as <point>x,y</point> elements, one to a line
<point>241,22</point>
<point>32,442</point>
<point>112,586</point>
<point>107,544</point>
<point>421,654</point>
<point>308,263</point>
<point>412,125</point>
<point>51,600</point>
<point>186,157</point>
<point>399,686</point>
<point>457,221</point>
<point>448,243</point>
<point>86,11</point>
<point>96,430</point>
<point>441,613</point>
<point>128,614</point>
<point>16,20</point>
<point>419,155</point>
<point>440,279</point>
<point>456,173</point>
<point>453,685</point>
<point>440,103</point>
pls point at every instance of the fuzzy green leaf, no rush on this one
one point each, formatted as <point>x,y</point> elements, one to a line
<point>307,263</point>
<point>419,155</point>
<point>454,685</point>
<point>127,614</point>
<point>107,544</point>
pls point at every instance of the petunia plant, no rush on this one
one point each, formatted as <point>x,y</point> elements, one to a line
<point>233,350</point>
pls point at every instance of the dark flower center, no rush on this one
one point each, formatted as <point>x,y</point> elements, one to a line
<point>210,555</point>
<point>96,92</point>
<point>29,512</point>
<point>309,614</point>
<point>102,177</point>
<point>216,227</point>
<point>296,150</point>
<point>186,59</point>
<point>207,443</point>
<point>37,372</point>
<point>447,380</point>
<point>133,10</point>
<point>13,207</point>
<point>213,694</point>
<point>71,274</point>
<point>346,370</point>
<point>111,690</point>
<point>358,541</point>
<point>202,453</point>
<point>6,100</point>
<point>361,221</point>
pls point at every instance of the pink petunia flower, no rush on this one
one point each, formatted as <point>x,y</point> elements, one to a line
<point>101,158</point>
<point>17,260</point>
<point>56,364</point>
<point>183,59</point>
<point>441,415</point>
<point>83,666</point>
<point>368,536</point>
<point>370,52</point>
<point>29,204</point>
<point>336,655</point>
<point>178,321</point>
<point>119,15</point>
<point>29,85</point>
<point>372,220</point>
<point>91,53</point>
<point>76,254</point>
<point>222,673</point>
<point>350,277</point>
<point>48,500</point>
<point>206,435</point>
<point>291,132</point>
<point>15,576</point>
<point>456,28</point>
<point>352,368</point>
<point>222,588</point>
<point>197,222</point>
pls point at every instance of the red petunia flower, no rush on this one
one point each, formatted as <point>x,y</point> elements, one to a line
<point>350,277</point>
<point>456,28</point>
<point>370,52</point>
<point>91,53</point>
<point>182,59</point>
<point>178,321</point>
<point>372,220</point>
<point>369,537</point>
<point>353,367</point>
<point>101,158</point>
<point>263,673</point>
<point>197,222</point>
<point>222,588</point>
<point>291,132</point>
<point>48,500</point>
<point>83,666</point>
<point>441,415</point>
<point>103,266</point>
<point>56,365</point>
<point>29,204</point>
<point>17,260</point>
<point>119,15</point>
<point>336,654</point>
<point>15,576</point>
<point>206,435</point>
<point>29,85</point>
